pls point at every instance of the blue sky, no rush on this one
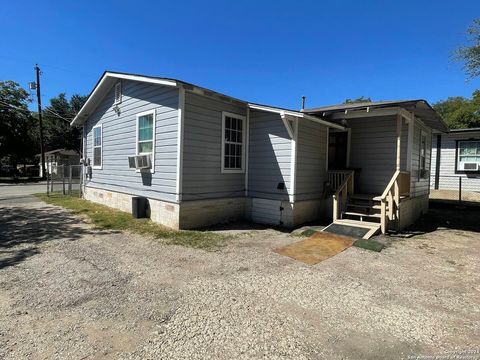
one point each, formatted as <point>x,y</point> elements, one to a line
<point>270,52</point>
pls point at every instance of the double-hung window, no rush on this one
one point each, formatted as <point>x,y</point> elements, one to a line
<point>97,146</point>
<point>468,152</point>
<point>146,134</point>
<point>233,143</point>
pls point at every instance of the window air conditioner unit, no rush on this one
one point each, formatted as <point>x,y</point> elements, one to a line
<point>470,167</point>
<point>140,162</point>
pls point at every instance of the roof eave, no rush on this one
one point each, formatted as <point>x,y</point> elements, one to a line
<point>96,92</point>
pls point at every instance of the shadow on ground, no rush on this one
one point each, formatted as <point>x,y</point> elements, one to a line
<point>22,229</point>
<point>443,216</point>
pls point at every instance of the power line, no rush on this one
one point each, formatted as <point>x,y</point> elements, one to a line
<point>57,115</point>
<point>15,107</point>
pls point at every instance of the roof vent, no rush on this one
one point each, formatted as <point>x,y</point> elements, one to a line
<point>118,93</point>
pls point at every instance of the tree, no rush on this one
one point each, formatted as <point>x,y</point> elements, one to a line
<point>470,55</point>
<point>57,116</point>
<point>460,112</point>
<point>18,129</point>
<point>361,99</point>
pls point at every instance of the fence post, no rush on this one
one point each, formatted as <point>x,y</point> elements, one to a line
<point>48,183</point>
<point>460,190</point>
<point>70,180</point>
<point>63,179</point>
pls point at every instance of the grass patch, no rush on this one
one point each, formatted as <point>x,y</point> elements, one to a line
<point>369,245</point>
<point>308,232</point>
<point>104,217</point>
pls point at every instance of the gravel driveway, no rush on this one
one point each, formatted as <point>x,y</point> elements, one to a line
<point>69,291</point>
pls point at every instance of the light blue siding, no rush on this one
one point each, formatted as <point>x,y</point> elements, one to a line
<point>202,149</point>
<point>119,141</point>
<point>269,156</point>
<point>449,180</point>
<point>373,151</point>
<point>311,160</point>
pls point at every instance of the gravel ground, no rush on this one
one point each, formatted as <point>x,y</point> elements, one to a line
<point>69,291</point>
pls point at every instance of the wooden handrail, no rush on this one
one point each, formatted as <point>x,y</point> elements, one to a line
<point>346,188</point>
<point>337,177</point>
<point>398,186</point>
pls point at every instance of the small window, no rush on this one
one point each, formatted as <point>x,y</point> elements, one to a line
<point>233,139</point>
<point>118,93</point>
<point>468,152</point>
<point>146,134</point>
<point>97,147</point>
<point>423,151</point>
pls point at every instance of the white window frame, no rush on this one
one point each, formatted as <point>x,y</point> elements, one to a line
<point>152,154</point>
<point>458,152</point>
<point>244,127</point>
<point>100,146</point>
<point>423,134</point>
<point>117,87</point>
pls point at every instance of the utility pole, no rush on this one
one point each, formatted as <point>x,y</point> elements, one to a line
<point>39,102</point>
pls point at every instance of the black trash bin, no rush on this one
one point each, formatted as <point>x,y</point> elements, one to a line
<point>139,207</point>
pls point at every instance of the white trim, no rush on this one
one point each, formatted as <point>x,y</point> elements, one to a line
<point>293,163</point>
<point>146,79</point>
<point>244,121</point>
<point>296,114</point>
<point>458,155</point>
<point>108,75</point>
<point>411,128</point>
<point>423,133</point>
<point>287,123</point>
<point>180,136</point>
<point>247,144</point>
<point>371,113</point>
<point>99,167</point>
<point>154,130</point>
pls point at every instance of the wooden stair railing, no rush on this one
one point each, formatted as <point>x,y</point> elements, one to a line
<point>340,197</point>
<point>398,187</point>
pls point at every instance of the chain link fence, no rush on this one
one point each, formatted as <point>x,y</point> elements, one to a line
<point>456,188</point>
<point>65,180</point>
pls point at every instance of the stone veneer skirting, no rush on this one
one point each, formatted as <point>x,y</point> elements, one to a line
<point>187,215</point>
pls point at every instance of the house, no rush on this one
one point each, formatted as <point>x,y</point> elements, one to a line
<point>215,158</point>
<point>58,157</point>
<point>456,160</point>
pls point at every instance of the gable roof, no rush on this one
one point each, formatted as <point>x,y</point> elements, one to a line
<point>420,107</point>
<point>108,79</point>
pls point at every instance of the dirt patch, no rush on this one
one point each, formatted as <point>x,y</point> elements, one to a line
<point>83,293</point>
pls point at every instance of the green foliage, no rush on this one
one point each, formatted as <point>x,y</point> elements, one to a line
<point>18,135</point>
<point>361,99</point>
<point>459,112</point>
<point>57,117</point>
<point>369,245</point>
<point>308,232</point>
<point>470,55</point>
<point>107,218</point>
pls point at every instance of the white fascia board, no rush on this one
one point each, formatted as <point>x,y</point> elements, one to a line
<point>296,114</point>
<point>102,81</point>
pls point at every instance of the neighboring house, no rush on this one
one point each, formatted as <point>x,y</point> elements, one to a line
<point>455,159</point>
<point>216,158</point>
<point>57,157</point>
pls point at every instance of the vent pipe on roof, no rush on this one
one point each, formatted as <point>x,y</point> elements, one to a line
<point>303,102</point>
